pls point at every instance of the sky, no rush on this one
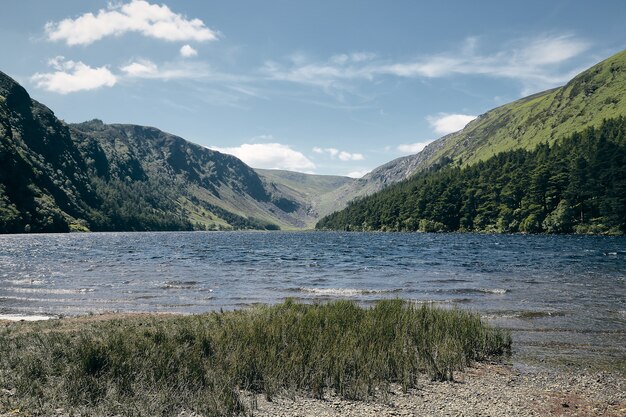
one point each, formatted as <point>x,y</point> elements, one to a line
<point>326,86</point>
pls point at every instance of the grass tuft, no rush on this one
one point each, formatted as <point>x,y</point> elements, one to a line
<point>161,365</point>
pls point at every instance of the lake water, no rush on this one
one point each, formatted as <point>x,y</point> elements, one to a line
<point>560,294</point>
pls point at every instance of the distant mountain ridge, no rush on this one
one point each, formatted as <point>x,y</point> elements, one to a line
<point>97,176</point>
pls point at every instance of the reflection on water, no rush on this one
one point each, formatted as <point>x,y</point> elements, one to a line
<point>551,289</point>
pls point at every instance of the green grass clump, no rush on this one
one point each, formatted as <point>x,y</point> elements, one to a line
<point>160,365</point>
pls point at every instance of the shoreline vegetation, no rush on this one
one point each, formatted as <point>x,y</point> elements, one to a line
<point>211,364</point>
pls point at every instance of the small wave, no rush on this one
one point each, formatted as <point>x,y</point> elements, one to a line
<point>25,281</point>
<point>525,315</point>
<point>445,301</point>
<point>345,292</point>
<point>144,297</point>
<point>51,290</point>
<point>495,291</point>
<point>179,285</point>
<point>446,280</point>
<point>539,314</point>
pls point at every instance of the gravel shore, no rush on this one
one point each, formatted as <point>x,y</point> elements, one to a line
<point>483,390</point>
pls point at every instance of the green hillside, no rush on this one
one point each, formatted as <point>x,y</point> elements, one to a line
<point>137,165</point>
<point>596,94</point>
<point>577,184</point>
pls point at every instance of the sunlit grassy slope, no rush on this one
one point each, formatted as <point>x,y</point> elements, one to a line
<point>596,94</point>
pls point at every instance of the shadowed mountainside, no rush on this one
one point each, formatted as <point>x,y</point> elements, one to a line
<point>95,176</point>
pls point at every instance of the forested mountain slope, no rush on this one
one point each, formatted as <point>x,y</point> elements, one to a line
<point>577,184</point>
<point>594,95</point>
<point>44,181</point>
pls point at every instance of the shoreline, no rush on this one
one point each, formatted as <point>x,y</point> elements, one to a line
<point>513,386</point>
<point>548,353</point>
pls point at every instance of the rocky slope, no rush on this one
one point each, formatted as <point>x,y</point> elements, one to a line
<point>314,193</point>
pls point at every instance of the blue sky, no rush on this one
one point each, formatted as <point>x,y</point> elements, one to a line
<point>328,87</point>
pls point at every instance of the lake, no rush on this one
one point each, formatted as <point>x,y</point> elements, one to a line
<point>561,295</point>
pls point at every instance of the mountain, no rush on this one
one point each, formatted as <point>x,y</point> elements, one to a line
<point>95,176</point>
<point>44,181</point>
<point>315,192</point>
<point>596,94</point>
<point>561,149</point>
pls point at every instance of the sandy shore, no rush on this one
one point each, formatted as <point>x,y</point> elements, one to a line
<point>483,390</point>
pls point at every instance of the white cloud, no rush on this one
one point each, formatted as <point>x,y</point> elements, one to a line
<point>150,20</point>
<point>143,68</point>
<point>347,156</point>
<point>71,76</point>
<point>342,155</point>
<point>270,156</point>
<point>186,51</point>
<point>447,123</point>
<point>534,62</point>
<point>412,148</point>
<point>357,174</point>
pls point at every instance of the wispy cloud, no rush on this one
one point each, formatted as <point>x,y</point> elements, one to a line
<point>534,62</point>
<point>180,69</point>
<point>445,123</point>
<point>139,16</point>
<point>71,76</point>
<point>144,68</point>
<point>140,68</point>
<point>272,155</point>
<point>74,76</point>
<point>342,155</point>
